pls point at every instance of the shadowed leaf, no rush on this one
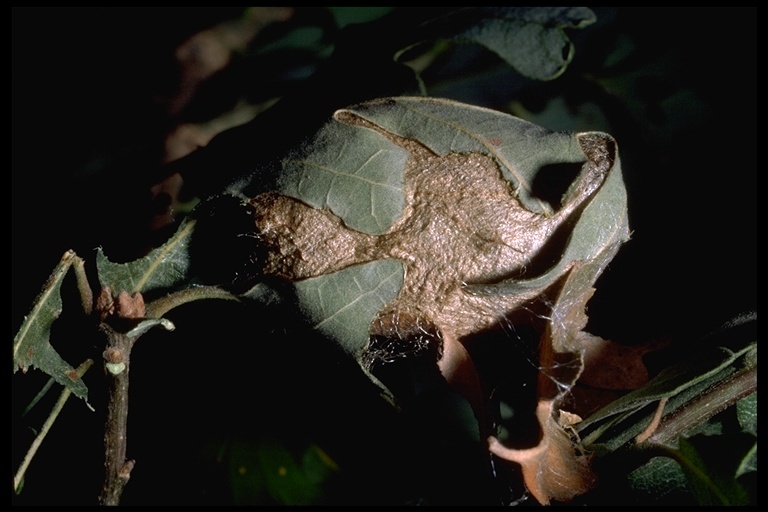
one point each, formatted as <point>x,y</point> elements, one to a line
<point>267,473</point>
<point>32,347</point>
<point>530,39</point>
<point>711,471</point>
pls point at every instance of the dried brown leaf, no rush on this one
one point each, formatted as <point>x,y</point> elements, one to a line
<point>553,469</point>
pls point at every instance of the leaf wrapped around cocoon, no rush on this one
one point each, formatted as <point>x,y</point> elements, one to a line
<point>442,220</point>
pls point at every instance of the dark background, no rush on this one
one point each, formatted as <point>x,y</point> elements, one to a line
<point>680,99</point>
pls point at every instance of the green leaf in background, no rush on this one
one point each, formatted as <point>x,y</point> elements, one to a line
<point>165,267</point>
<point>317,465</point>
<point>660,480</point>
<point>705,469</point>
<point>355,173</point>
<point>530,39</point>
<point>31,345</point>
<point>711,468</point>
<point>746,412</point>
<point>348,15</point>
<point>267,472</point>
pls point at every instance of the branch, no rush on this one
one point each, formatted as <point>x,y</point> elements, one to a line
<point>706,405</point>
<point>118,469</point>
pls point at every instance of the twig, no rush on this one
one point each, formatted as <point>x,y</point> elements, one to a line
<point>130,311</point>
<point>161,306</point>
<point>118,469</point>
<point>19,477</point>
<point>706,405</point>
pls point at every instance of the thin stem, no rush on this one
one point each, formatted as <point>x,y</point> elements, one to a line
<point>83,286</point>
<point>19,477</point>
<point>161,306</point>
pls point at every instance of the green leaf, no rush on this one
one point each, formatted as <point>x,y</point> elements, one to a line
<point>749,463</point>
<point>267,472</point>
<point>710,468</point>
<point>163,268</point>
<point>349,15</point>
<point>245,475</point>
<point>704,470</point>
<point>342,305</point>
<point>354,172</point>
<point>658,480</point>
<point>533,40</point>
<point>285,480</point>
<point>317,465</point>
<point>746,411</point>
<point>530,39</point>
<point>31,345</point>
